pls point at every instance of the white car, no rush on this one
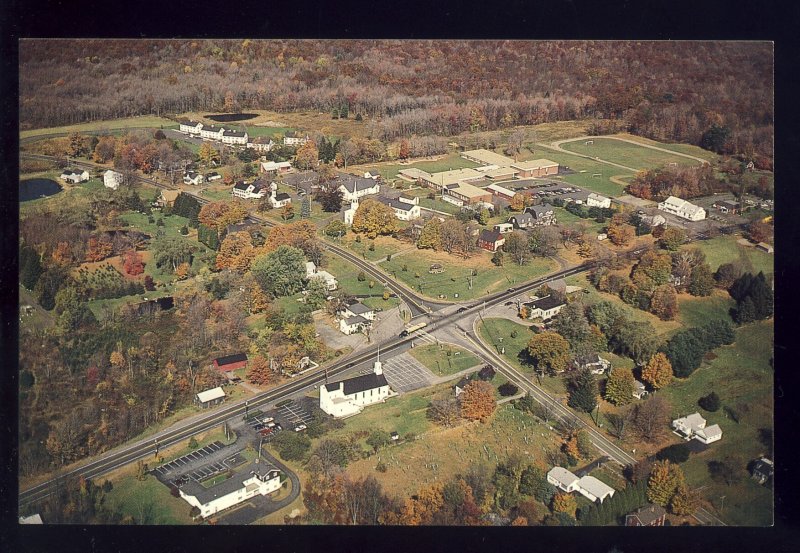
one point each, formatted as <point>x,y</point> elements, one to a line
<point>300,428</point>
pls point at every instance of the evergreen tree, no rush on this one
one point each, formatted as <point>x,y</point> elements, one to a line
<point>685,351</point>
<point>583,391</point>
<point>305,208</point>
<point>30,267</point>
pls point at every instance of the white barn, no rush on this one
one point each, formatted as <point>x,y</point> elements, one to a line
<point>112,179</point>
<point>683,209</point>
<point>349,397</point>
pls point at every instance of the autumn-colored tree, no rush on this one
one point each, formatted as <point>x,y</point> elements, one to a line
<point>373,218</point>
<point>665,478</point>
<point>301,235</point>
<point>132,263</point>
<point>208,154</point>
<point>517,202</point>
<point>117,360</point>
<point>477,401</point>
<point>287,212</point>
<point>104,150</point>
<point>420,508</point>
<point>404,151</point>
<point>98,250</point>
<point>570,447</point>
<point>259,371</point>
<point>549,352</point>
<point>431,235</point>
<point>62,255</point>
<point>684,501</point>
<point>759,231</point>
<point>664,302</point>
<point>219,215</point>
<point>621,235</point>
<point>619,386</point>
<point>658,371</point>
<point>524,312</point>
<point>672,238</point>
<point>236,252</point>
<point>307,156</point>
<point>564,503</point>
<point>182,271</point>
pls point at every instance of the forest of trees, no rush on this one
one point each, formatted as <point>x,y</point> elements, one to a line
<point>715,94</point>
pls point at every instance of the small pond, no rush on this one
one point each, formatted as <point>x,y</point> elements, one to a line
<point>229,117</point>
<point>33,189</point>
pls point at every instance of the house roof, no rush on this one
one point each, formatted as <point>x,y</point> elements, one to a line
<point>638,385</point>
<point>361,383</point>
<point>562,476</point>
<point>212,174</point>
<point>764,466</point>
<point>234,133</point>
<point>396,204</point>
<point>463,382</point>
<point>232,484</point>
<point>491,236</point>
<point>597,197</point>
<point>648,513</point>
<point>170,195</point>
<point>241,185</point>
<point>681,205</point>
<point>270,165</point>
<point>695,420</point>
<point>358,309</point>
<point>595,486</point>
<point>545,303</point>
<point>539,210</point>
<point>710,431</point>
<point>230,359</point>
<point>210,395</point>
<point>353,183</point>
<point>522,218</point>
<point>280,196</point>
<point>354,320</point>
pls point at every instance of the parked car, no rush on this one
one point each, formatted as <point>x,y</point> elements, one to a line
<point>461,309</point>
<point>509,303</point>
<point>300,428</point>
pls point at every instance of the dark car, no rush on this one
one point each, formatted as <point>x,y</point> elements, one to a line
<point>461,309</point>
<point>511,290</point>
<point>509,303</point>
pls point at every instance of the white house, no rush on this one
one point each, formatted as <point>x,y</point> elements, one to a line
<point>596,200</point>
<point>682,209</point>
<point>327,278</point>
<point>358,308</point>
<point>294,139</point>
<point>251,191</point>
<point>351,325</point>
<point>252,480</point>
<point>262,146</point>
<point>653,220</point>
<point>237,138</point>
<point>405,209</point>
<point>639,390</point>
<point>595,363</point>
<point>212,133</point>
<point>544,308</point>
<point>273,167</point>
<point>213,176</point>
<point>369,175</point>
<point>193,178</point>
<point>504,228</point>
<point>593,489</point>
<point>75,175</point>
<point>112,179</point>
<point>353,187</point>
<point>694,426</point>
<point>349,397</point>
<point>190,127</point>
<point>563,479</point>
<point>214,396</point>
<point>279,199</point>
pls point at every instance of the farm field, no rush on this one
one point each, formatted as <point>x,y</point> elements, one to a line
<point>304,121</point>
<point>126,123</point>
<point>742,377</point>
<point>625,153</point>
<point>456,277</point>
<point>724,249</point>
<point>445,360</point>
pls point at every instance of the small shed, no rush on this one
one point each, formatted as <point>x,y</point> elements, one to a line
<point>231,362</point>
<point>211,397</point>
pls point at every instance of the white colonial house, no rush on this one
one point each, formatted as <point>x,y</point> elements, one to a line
<point>694,426</point>
<point>352,325</point>
<point>596,200</point>
<point>588,486</point>
<point>75,175</point>
<point>294,139</point>
<point>544,308</point>
<point>353,187</point>
<point>251,191</point>
<point>682,209</point>
<point>405,209</point>
<point>193,178</point>
<point>112,179</point>
<point>213,176</point>
<point>190,127</point>
<point>252,480</point>
<point>262,146</point>
<point>313,273</point>
<point>214,396</point>
<point>236,138</point>
<point>212,133</point>
<point>349,397</point>
<point>357,309</point>
<point>279,167</point>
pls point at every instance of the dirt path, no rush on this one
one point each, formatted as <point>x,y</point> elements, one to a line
<point>617,180</point>
<point>557,146</point>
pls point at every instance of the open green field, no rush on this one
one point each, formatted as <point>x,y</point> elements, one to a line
<point>724,249</point>
<point>444,360</point>
<point>564,217</point>
<point>384,245</point>
<point>254,131</point>
<point>148,501</point>
<point>625,153</point>
<point>688,149</point>
<point>697,311</point>
<point>456,277</point>
<point>742,377</point>
<point>601,184</point>
<point>126,123</point>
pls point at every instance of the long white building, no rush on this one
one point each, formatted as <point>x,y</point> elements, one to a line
<point>683,209</point>
<point>349,397</point>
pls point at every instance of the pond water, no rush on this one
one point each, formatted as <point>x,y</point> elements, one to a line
<point>33,189</point>
<point>228,117</point>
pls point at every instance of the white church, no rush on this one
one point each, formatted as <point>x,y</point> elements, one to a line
<point>349,397</point>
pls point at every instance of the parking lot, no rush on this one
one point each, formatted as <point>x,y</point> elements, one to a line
<point>199,464</point>
<point>404,373</point>
<point>293,414</point>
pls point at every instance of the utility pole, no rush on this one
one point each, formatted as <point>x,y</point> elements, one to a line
<point>245,408</point>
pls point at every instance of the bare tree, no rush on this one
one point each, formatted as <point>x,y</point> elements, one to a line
<point>445,412</point>
<point>651,418</point>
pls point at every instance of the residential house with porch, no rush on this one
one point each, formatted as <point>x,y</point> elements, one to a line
<point>234,138</point>
<point>694,427</point>
<point>190,127</point>
<point>649,515</point>
<point>313,273</point>
<point>683,209</point>
<point>112,179</point>
<point>249,191</point>
<point>405,209</point>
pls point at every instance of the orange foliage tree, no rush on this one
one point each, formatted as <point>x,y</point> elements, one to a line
<point>420,508</point>
<point>236,252</point>
<point>62,254</point>
<point>297,234</point>
<point>132,263</point>
<point>477,401</point>
<point>219,215</point>
<point>658,372</point>
<point>259,371</point>
<point>98,250</point>
<point>564,503</point>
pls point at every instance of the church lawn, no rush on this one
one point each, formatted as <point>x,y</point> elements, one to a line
<point>440,363</point>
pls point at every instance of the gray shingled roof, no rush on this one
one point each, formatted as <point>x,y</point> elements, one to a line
<point>362,383</point>
<point>396,204</point>
<point>353,183</point>
<point>232,484</point>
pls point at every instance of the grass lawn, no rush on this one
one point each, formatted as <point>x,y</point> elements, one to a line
<point>445,360</point>
<point>127,123</point>
<point>601,184</point>
<point>348,277</point>
<point>689,149</point>
<point>697,311</point>
<point>445,452</point>
<point>253,131</point>
<point>216,195</point>
<point>724,249</point>
<point>148,502</point>
<point>438,205</point>
<point>456,277</point>
<point>384,245</point>
<point>289,304</point>
<point>742,377</point>
<point>625,153</point>
<point>564,217</point>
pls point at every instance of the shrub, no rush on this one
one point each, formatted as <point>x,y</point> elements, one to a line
<point>184,230</point>
<point>361,276</point>
<point>192,443</point>
<point>381,467</point>
<point>507,389</point>
<point>710,402</point>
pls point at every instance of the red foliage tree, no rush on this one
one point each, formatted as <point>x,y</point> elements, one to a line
<point>132,263</point>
